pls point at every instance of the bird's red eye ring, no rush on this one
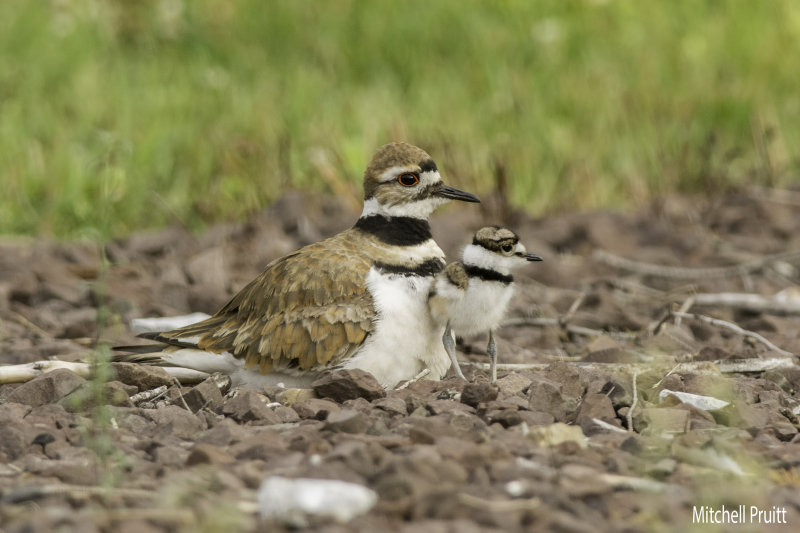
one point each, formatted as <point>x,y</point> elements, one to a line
<point>408,179</point>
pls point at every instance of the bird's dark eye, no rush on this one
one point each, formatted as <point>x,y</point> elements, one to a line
<point>408,179</point>
<point>507,248</point>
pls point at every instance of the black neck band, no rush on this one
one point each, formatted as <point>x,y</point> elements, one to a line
<point>487,275</point>
<point>429,268</point>
<point>397,231</point>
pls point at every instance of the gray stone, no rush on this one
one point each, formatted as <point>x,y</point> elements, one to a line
<point>145,377</point>
<point>47,388</point>
<point>342,385</point>
<point>249,406</point>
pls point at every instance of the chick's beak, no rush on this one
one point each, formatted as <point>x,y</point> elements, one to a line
<point>533,257</point>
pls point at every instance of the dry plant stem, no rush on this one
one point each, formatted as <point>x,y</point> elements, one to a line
<point>725,366</point>
<point>148,394</point>
<point>28,371</point>
<point>180,394</point>
<point>610,427</point>
<point>499,505</point>
<point>634,483</point>
<point>673,272</point>
<point>416,378</point>
<point>634,402</point>
<point>734,327</point>
<point>22,321</point>
<point>22,494</point>
<point>748,302</point>
<point>685,306</point>
<point>578,330</point>
<point>573,308</point>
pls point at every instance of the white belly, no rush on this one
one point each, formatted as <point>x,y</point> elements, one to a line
<point>482,308</point>
<point>405,340</point>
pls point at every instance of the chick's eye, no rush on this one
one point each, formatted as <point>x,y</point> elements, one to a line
<point>408,180</point>
<point>507,248</point>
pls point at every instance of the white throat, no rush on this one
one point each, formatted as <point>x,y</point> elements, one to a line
<point>420,209</point>
<point>480,257</point>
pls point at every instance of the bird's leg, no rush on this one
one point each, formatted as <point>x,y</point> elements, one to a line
<point>450,348</point>
<point>491,349</point>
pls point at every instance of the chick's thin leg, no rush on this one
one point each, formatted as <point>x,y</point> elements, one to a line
<point>491,349</point>
<point>450,347</point>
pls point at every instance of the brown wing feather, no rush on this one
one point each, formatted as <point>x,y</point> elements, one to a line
<point>310,309</point>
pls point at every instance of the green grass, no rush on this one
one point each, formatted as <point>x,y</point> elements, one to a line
<point>120,115</point>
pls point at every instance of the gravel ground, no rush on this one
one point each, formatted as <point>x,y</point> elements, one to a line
<point>578,436</point>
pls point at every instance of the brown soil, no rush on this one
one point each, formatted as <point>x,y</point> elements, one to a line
<point>526,454</point>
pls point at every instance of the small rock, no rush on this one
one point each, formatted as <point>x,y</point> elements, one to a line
<point>661,469</point>
<point>610,355</point>
<point>392,405</point>
<point>87,396</point>
<point>420,435</point>
<point>47,388</point>
<point>475,393</point>
<point>175,421</point>
<point>661,421</point>
<point>315,408</point>
<point>14,439</point>
<point>145,377</point>
<point>504,417</point>
<point>205,394</point>
<point>347,421</point>
<point>224,433</point>
<point>557,434</point>
<point>436,407</point>
<point>602,342</point>
<point>580,481</point>
<point>286,414</point>
<point>341,385</point>
<point>81,322</point>
<point>289,397</point>
<point>596,406</point>
<point>249,406</point>
<point>545,395</point>
<point>203,454</point>
<point>620,392</point>
<point>536,418</point>
<point>513,383</point>
<point>567,376</point>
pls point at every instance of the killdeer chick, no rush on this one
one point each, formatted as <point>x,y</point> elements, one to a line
<point>355,300</point>
<point>472,296</point>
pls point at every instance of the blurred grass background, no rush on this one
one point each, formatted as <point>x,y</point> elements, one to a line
<point>119,115</point>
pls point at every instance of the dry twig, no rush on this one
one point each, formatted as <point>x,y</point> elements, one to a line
<point>674,272</point>
<point>554,322</point>
<point>734,327</point>
<point>148,394</point>
<point>633,403</point>
<point>725,366</point>
<point>425,372</point>
<point>749,302</point>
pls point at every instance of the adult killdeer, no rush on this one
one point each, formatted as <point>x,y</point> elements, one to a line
<point>472,296</point>
<point>355,300</point>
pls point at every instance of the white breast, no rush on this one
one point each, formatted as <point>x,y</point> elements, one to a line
<point>482,308</point>
<point>405,340</point>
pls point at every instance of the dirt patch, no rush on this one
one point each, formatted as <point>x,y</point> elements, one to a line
<point>583,438</point>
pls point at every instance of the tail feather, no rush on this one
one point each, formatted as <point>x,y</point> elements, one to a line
<point>139,349</point>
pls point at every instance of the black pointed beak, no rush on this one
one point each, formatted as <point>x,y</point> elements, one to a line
<point>454,194</point>
<point>533,257</point>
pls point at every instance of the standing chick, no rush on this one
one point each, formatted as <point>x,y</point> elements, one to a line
<point>471,296</point>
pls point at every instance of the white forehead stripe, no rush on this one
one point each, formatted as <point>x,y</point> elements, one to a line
<point>392,172</point>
